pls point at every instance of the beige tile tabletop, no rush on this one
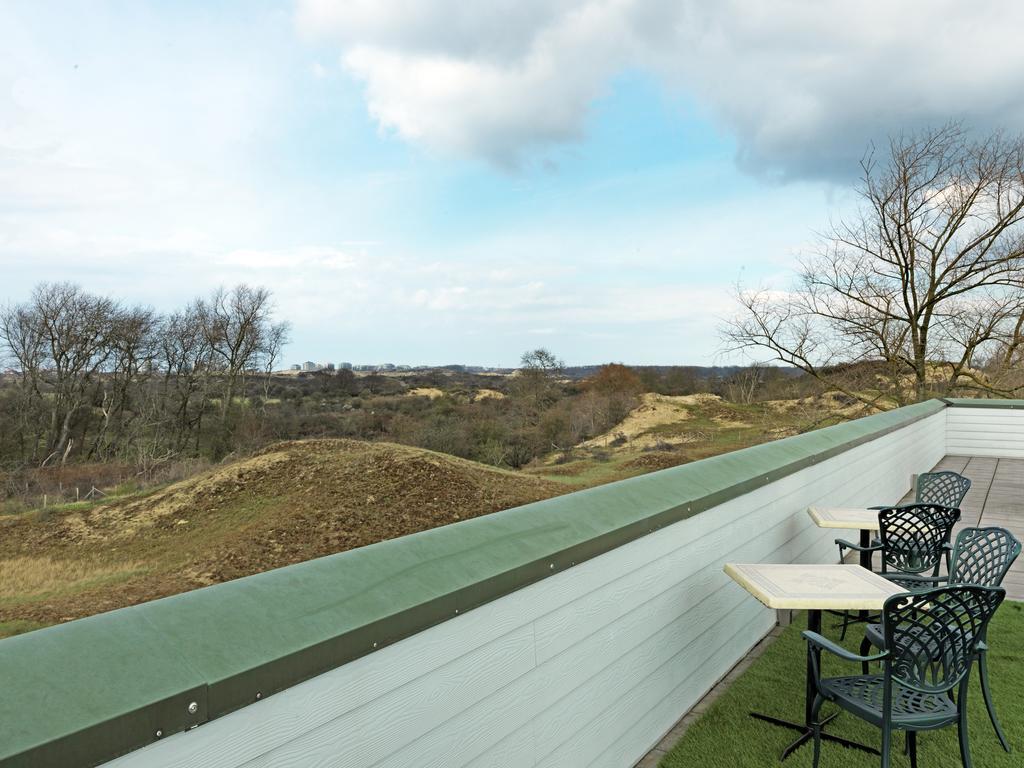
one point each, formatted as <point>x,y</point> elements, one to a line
<point>814,587</point>
<point>844,517</point>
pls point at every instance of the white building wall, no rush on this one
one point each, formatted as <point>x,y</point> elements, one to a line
<point>995,432</point>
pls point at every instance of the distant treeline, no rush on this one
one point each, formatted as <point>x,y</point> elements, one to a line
<point>90,378</point>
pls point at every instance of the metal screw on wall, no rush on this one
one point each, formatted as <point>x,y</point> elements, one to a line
<point>193,708</point>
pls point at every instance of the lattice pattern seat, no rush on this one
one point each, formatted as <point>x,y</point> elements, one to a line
<point>947,489</point>
<point>983,556</point>
<point>865,697</point>
<point>913,539</point>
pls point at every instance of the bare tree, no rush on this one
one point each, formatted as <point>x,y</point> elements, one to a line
<point>132,345</point>
<point>183,355</point>
<point>923,287</point>
<point>742,386</point>
<point>62,338</point>
<point>538,374</point>
<point>242,338</point>
<point>26,353</point>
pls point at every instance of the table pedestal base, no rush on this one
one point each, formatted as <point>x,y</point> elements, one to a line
<point>807,734</point>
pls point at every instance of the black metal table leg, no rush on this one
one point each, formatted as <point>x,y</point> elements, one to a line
<point>806,728</point>
<point>865,541</point>
<point>865,562</point>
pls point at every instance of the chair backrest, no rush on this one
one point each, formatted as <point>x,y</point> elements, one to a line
<point>983,556</point>
<point>913,536</point>
<point>932,636</point>
<point>945,488</point>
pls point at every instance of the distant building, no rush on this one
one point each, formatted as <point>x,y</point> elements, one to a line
<point>326,366</point>
<point>295,367</point>
<point>387,367</point>
<point>404,368</point>
<point>345,366</point>
<point>309,365</point>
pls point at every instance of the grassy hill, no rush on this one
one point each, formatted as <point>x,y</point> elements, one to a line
<point>294,501</point>
<point>665,431</point>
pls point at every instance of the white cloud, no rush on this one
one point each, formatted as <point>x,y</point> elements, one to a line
<point>803,86</point>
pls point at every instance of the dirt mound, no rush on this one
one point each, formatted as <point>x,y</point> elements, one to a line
<point>655,460</point>
<point>654,411</point>
<point>293,502</point>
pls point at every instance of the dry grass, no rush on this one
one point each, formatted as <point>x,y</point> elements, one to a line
<point>24,577</point>
<point>654,411</point>
<point>432,392</point>
<point>483,394</point>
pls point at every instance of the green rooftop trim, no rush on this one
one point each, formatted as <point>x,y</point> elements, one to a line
<point>969,402</point>
<point>92,689</point>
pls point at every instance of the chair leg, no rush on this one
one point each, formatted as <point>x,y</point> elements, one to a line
<point>987,695</point>
<point>886,745</point>
<point>846,623</point>
<point>816,725</point>
<point>865,648</point>
<point>961,732</point>
<point>912,747</point>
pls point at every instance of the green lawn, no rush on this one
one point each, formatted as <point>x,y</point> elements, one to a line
<point>726,737</point>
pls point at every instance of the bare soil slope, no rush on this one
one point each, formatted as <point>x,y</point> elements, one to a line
<point>293,502</point>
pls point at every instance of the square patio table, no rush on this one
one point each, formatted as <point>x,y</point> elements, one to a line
<point>863,519</point>
<point>813,588</point>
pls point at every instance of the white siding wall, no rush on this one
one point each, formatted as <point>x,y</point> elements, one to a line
<point>985,432</point>
<point>589,667</point>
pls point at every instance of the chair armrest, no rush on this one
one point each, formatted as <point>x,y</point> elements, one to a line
<point>822,642</point>
<point>915,582</point>
<point>814,640</point>
<point>844,544</point>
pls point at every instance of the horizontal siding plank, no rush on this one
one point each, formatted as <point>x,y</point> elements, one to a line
<point>572,707</point>
<point>372,732</point>
<point>709,657</point>
<point>246,734</point>
<point>662,716</point>
<point>482,729</point>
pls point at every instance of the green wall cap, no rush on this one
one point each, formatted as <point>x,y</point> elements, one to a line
<point>89,690</point>
<point>970,402</point>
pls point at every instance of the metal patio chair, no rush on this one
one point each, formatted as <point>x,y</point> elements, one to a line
<point>982,557</point>
<point>931,640</point>
<point>945,488</point>
<point>913,539</point>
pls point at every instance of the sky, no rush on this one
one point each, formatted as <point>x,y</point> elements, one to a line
<point>436,181</point>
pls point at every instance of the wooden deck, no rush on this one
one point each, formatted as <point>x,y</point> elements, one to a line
<point>996,498</point>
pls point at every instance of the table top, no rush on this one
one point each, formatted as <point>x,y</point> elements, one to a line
<point>815,587</point>
<point>844,517</point>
